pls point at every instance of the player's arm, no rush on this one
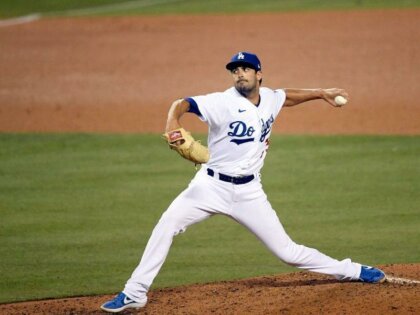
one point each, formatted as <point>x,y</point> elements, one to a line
<point>298,96</point>
<point>179,139</point>
<point>177,109</point>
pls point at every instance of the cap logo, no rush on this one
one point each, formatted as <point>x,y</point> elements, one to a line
<point>241,56</point>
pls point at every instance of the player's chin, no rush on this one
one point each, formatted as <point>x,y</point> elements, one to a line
<point>242,87</point>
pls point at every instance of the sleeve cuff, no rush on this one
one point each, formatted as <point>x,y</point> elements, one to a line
<point>193,106</point>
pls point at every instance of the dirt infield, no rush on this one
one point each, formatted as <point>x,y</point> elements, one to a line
<point>121,74</point>
<point>296,293</point>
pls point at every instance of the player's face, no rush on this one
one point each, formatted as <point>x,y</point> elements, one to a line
<point>246,79</point>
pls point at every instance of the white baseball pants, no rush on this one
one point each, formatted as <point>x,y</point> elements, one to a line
<point>246,204</point>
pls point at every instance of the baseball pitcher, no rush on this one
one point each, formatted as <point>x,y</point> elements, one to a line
<point>240,122</point>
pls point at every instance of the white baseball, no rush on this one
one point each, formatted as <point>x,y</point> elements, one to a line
<point>340,100</point>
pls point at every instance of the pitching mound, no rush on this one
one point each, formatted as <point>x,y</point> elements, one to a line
<point>295,293</point>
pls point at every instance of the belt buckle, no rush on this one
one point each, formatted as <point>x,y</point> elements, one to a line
<point>237,180</point>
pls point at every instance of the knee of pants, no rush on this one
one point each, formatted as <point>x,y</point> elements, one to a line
<point>290,253</point>
<point>171,225</point>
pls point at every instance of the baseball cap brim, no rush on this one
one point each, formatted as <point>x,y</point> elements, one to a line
<point>234,64</point>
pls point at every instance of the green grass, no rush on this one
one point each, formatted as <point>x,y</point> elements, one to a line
<point>10,8</point>
<point>77,209</point>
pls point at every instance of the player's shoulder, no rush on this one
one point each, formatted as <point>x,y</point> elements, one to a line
<point>273,96</point>
<point>272,100</point>
<point>214,99</point>
<point>268,91</point>
<point>231,92</point>
<point>264,89</point>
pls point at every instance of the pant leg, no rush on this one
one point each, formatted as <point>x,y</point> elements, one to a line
<point>180,214</point>
<point>259,217</point>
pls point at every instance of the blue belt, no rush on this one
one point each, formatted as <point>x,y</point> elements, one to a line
<point>230,179</point>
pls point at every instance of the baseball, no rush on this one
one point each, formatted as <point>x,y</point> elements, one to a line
<point>340,100</point>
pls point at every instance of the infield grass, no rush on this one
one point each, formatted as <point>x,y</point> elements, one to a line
<point>11,8</point>
<point>77,210</point>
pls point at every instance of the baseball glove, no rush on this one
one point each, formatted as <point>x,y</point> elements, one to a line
<point>182,142</point>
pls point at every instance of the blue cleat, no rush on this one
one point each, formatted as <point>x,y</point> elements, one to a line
<point>122,302</point>
<point>372,275</point>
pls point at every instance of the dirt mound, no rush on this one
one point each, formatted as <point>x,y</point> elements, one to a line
<point>121,74</point>
<point>295,293</point>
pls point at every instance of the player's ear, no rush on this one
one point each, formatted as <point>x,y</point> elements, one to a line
<point>259,75</point>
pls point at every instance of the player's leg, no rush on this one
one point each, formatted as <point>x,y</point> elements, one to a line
<point>199,201</point>
<point>259,217</point>
<point>180,214</point>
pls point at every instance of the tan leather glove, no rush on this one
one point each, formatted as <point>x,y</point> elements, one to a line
<point>182,142</point>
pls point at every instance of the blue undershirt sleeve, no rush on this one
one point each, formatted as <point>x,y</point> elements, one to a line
<point>193,106</point>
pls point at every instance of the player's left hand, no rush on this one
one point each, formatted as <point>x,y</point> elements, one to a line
<point>330,94</point>
<point>182,142</point>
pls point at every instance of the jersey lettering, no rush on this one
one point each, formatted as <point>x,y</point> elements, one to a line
<point>241,130</point>
<point>266,127</point>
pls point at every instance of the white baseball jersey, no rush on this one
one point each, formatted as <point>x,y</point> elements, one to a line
<point>238,130</point>
<point>238,133</point>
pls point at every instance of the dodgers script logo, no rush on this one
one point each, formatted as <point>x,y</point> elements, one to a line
<point>241,132</point>
<point>266,127</point>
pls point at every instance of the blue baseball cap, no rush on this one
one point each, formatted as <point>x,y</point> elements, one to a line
<point>244,58</point>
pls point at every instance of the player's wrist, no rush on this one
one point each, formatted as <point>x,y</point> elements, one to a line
<point>172,125</point>
<point>320,93</point>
